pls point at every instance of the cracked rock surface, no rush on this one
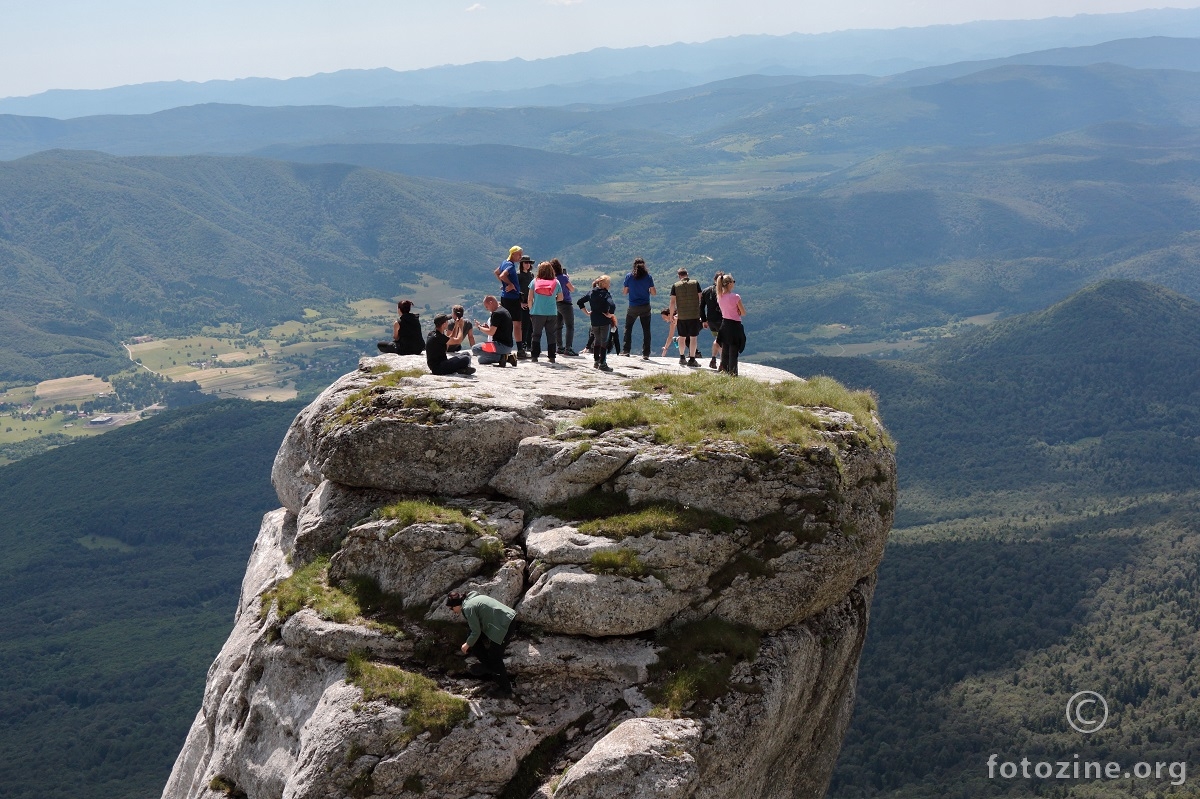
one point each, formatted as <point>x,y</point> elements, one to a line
<point>780,551</point>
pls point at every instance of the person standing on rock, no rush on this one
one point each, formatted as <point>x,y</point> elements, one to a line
<point>639,286</point>
<point>544,293</point>
<point>510,289</point>
<point>710,316</point>
<point>603,316</point>
<point>525,278</point>
<point>491,624</point>
<point>685,307</point>
<point>566,312</point>
<point>733,334</point>
<point>435,350</point>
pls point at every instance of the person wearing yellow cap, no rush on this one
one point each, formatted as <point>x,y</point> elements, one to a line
<point>510,292</point>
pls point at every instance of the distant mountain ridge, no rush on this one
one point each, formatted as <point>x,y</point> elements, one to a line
<point>611,75</point>
<point>716,123</point>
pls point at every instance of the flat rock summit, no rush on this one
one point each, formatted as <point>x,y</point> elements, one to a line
<point>691,557</point>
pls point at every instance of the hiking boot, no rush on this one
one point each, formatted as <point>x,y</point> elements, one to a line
<point>712,363</point>
<point>550,358</point>
<point>522,354</point>
<point>625,354</point>
<point>645,357</point>
<point>595,364</point>
<point>682,361</point>
<point>512,358</point>
<point>692,362</point>
<point>571,352</point>
<point>469,370</point>
<point>533,358</point>
<point>605,367</point>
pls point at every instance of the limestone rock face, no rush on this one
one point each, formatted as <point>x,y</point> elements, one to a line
<point>652,758</point>
<point>777,546</point>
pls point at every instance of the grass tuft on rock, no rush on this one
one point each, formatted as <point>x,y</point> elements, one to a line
<point>697,660</point>
<point>624,562</point>
<point>656,519</point>
<point>697,407</point>
<point>348,601</point>
<point>430,709</point>
<point>415,511</point>
<point>308,587</point>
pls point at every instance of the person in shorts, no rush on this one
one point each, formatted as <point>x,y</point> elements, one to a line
<point>685,307</point>
<point>508,273</point>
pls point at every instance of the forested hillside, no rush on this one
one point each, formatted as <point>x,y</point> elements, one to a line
<point>123,558</point>
<point>1047,541</point>
<point>97,248</point>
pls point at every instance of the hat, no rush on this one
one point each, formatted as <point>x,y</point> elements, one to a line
<point>513,250</point>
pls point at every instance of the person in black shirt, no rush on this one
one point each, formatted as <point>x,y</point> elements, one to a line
<point>498,351</point>
<point>406,333</point>
<point>602,311</point>
<point>710,316</point>
<point>435,350</point>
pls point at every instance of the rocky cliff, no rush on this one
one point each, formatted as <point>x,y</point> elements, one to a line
<point>692,558</point>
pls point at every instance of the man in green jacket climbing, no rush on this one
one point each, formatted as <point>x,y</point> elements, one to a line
<point>490,622</point>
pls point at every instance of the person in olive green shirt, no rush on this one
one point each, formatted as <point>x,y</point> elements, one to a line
<point>490,622</point>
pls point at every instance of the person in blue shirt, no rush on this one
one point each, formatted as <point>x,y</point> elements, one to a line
<point>510,292</point>
<point>639,287</point>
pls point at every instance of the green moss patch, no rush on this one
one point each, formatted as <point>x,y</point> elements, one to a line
<point>697,661</point>
<point>697,407</point>
<point>430,709</point>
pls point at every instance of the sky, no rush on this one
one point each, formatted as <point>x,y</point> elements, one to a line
<point>88,44</point>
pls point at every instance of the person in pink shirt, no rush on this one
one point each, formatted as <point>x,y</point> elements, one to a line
<point>732,337</point>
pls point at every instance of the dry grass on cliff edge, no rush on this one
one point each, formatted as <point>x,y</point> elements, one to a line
<point>696,407</point>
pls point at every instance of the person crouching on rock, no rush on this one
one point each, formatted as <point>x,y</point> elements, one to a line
<point>435,350</point>
<point>406,332</point>
<point>491,624</point>
<point>499,351</point>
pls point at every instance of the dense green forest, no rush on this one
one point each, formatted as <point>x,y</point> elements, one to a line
<point>95,248</point>
<point>1047,541</point>
<point>123,558</point>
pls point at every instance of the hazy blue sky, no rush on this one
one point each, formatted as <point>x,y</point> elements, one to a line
<point>74,44</point>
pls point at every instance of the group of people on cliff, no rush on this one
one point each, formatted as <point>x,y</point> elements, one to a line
<point>532,304</point>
